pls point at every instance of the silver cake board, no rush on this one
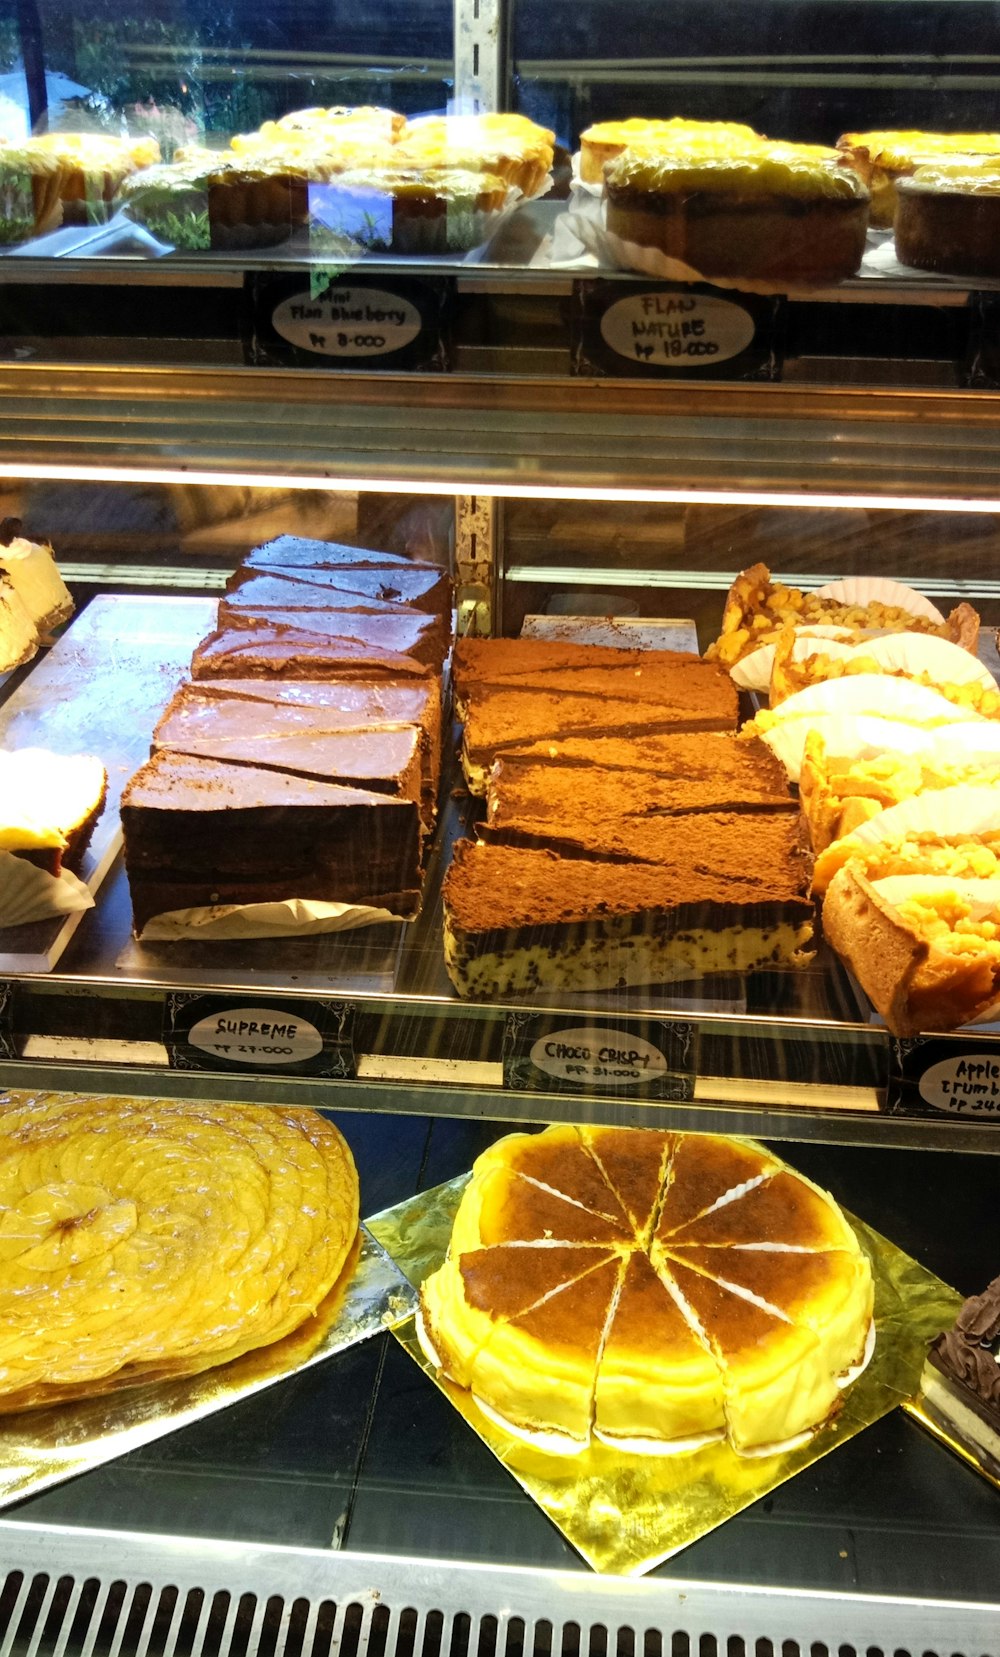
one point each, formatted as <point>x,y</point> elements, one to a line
<point>99,690</point>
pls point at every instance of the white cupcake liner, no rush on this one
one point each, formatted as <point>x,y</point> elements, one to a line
<point>942,661</point>
<point>880,589</point>
<point>877,694</point>
<point>964,812</point>
<point>28,893</point>
<point>754,671</point>
<point>848,736</point>
<point>619,254</point>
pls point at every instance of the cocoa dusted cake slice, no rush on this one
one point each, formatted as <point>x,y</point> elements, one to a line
<point>201,832</point>
<point>267,602</point>
<point>419,587</point>
<point>703,771</point>
<point>518,921</point>
<point>507,721</point>
<point>289,652</point>
<point>960,1384</point>
<point>482,665</point>
<point>716,840</point>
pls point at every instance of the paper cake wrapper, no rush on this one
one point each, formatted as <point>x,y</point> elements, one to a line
<point>865,736</point>
<point>959,813</point>
<point>916,653</point>
<point>880,589</point>
<point>618,253</point>
<point>28,893</point>
<point>626,1513</point>
<point>292,918</point>
<point>877,694</point>
<point>754,671</point>
<point>42,1448</point>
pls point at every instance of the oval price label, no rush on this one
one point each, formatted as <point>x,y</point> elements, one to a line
<point>682,329</point>
<point>348,322</point>
<point>965,1086</point>
<point>256,1035</point>
<point>597,1056</point>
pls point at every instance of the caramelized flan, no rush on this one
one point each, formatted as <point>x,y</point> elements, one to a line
<point>711,1290</point>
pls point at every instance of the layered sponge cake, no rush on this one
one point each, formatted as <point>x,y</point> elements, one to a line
<point>653,1290</point>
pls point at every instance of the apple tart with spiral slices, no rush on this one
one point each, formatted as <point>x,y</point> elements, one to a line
<point>652,1290</point>
<point>147,1240</point>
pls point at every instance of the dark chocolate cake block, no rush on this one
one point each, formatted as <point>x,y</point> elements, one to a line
<point>960,1385</point>
<point>420,588</point>
<point>292,551</point>
<point>283,652</point>
<point>200,832</point>
<point>268,602</point>
<point>195,710</point>
<point>297,741</point>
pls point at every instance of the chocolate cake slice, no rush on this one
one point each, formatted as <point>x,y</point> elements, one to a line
<point>420,588</point>
<point>960,1384</point>
<point>266,602</point>
<point>297,741</point>
<point>295,551</point>
<point>506,721</point>
<point>204,832</point>
<point>519,921</point>
<point>697,771</point>
<point>289,652</point>
<point>719,840</point>
<point>351,705</point>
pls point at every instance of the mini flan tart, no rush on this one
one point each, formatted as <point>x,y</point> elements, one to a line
<point>883,159</point>
<point>652,1290</point>
<point>769,212</point>
<point>605,140</point>
<point>948,218</point>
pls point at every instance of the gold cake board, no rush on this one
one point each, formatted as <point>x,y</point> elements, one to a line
<point>627,1513</point>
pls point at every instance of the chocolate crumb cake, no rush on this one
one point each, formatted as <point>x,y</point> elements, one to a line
<point>960,1385</point>
<point>517,921</point>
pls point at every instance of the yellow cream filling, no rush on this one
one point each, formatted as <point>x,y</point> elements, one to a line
<point>752,169</point>
<point>964,176</point>
<point>945,920</point>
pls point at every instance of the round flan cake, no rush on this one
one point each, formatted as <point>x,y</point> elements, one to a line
<point>653,1290</point>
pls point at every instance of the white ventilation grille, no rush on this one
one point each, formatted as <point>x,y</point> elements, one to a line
<point>158,1597</point>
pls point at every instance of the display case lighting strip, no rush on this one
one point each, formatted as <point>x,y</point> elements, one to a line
<point>497,488</point>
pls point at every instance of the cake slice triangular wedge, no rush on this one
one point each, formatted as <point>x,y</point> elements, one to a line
<point>505,1207</point>
<point>703,1171</point>
<point>657,1379</point>
<point>827,1291</point>
<point>775,1378</point>
<point>539,1368</point>
<point>559,1160</point>
<point>785,1209</point>
<point>473,1293</point>
<point>634,1162</point>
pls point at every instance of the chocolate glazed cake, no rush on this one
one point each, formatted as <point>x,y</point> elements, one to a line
<point>960,1385</point>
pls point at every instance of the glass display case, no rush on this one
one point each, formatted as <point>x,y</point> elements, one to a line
<point>517,402</point>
